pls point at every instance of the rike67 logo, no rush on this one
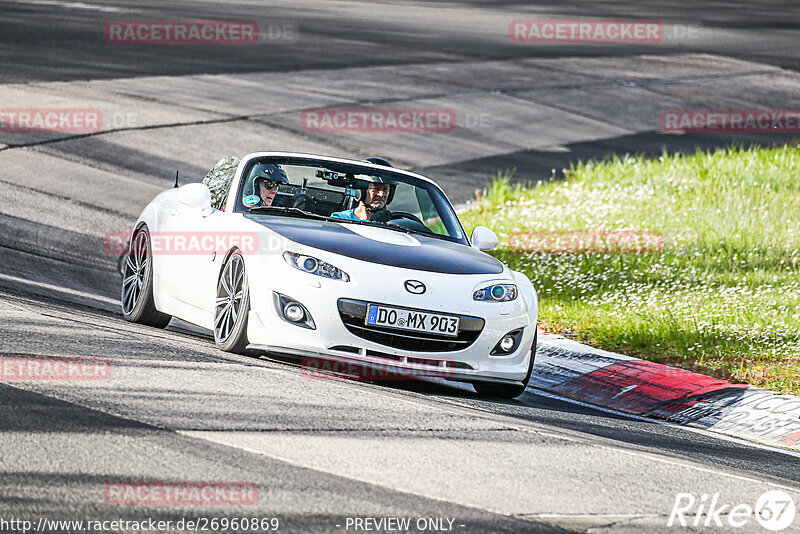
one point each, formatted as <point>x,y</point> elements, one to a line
<point>774,511</point>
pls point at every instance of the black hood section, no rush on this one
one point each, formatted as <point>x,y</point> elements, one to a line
<point>434,255</point>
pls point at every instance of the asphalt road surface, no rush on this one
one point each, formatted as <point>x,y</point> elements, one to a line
<point>48,40</point>
<point>325,451</point>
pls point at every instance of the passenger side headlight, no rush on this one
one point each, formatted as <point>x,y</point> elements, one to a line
<point>497,293</point>
<point>312,265</point>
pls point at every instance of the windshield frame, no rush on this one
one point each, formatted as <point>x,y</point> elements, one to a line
<point>344,166</point>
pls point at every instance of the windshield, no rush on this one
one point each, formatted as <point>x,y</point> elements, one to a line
<point>347,193</point>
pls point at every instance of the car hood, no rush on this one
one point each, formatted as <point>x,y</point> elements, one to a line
<point>381,246</point>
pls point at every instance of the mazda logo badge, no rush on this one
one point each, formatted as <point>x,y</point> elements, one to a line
<point>415,286</point>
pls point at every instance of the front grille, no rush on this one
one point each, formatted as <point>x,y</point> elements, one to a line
<point>354,313</point>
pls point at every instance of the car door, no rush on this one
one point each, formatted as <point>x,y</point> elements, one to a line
<point>190,258</point>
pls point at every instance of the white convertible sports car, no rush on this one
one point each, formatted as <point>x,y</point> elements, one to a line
<point>335,259</point>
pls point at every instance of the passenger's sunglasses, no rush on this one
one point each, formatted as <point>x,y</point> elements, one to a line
<point>269,186</point>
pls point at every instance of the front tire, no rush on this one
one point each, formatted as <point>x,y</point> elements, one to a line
<point>138,304</point>
<point>232,307</point>
<point>508,391</point>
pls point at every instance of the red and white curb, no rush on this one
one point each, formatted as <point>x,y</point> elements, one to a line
<point>648,389</point>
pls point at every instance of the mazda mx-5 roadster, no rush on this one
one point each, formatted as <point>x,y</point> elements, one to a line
<point>333,259</point>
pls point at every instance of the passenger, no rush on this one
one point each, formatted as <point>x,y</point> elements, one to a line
<point>268,177</point>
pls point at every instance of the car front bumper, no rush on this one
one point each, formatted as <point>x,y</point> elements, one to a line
<point>331,339</point>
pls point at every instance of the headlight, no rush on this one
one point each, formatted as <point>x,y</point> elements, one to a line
<point>496,293</point>
<point>311,265</point>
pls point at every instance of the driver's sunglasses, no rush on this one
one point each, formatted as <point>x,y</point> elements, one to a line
<point>269,186</point>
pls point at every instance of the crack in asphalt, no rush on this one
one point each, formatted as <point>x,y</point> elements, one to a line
<point>65,198</point>
<point>367,103</point>
<point>116,130</point>
<point>326,430</point>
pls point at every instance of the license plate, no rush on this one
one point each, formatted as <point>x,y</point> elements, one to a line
<point>432,323</point>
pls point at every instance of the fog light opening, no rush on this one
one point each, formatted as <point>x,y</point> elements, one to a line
<point>508,344</point>
<point>294,312</point>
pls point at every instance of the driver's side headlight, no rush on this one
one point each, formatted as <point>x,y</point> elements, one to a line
<point>312,265</point>
<point>497,293</point>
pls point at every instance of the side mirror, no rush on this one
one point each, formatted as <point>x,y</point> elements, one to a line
<point>195,196</point>
<point>483,238</point>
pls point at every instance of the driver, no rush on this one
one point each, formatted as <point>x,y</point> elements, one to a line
<point>268,177</point>
<point>372,206</point>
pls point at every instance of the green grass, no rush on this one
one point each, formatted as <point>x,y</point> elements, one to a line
<point>722,295</point>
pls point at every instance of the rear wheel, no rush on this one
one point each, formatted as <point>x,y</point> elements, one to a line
<point>138,304</point>
<point>232,307</point>
<point>508,391</point>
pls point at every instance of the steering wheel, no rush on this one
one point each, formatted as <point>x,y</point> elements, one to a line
<point>408,221</point>
<point>405,215</point>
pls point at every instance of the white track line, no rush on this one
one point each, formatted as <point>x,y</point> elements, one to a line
<point>73,5</point>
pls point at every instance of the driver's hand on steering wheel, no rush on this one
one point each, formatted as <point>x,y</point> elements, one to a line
<point>382,216</point>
